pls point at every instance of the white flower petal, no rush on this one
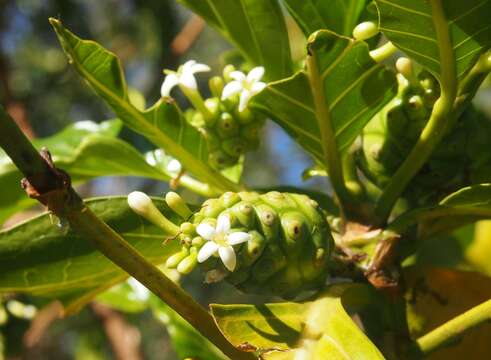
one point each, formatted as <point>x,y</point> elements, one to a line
<point>187,66</point>
<point>231,89</point>
<point>197,68</point>
<point>257,87</point>
<point>255,74</point>
<point>238,75</point>
<point>223,223</point>
<point>238,238</point>
<point>206,231</point>
<point>187,80</point>
<point>227,255</point>
<point>207,250</point>
<point>245,96</point>
<point>170,81</point>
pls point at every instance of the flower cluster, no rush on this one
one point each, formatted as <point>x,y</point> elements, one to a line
<point>227,123</point>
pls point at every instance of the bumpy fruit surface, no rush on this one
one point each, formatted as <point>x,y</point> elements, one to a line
<point>461,159</point>
<point>289,246</point>
<point>391,135</point>
<point>229,133</point>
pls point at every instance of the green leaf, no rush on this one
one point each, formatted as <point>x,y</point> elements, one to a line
<point>163,123</point>
<point>320,329</point>
<point>355,89</point>
<point>463,206</point>
<point>409,26</point>
<point>338,16</point>
<point>85,150</point>
<point>186,340</point>
<point>256,27</point>
<point>41,258</point>
<point>471,197</point>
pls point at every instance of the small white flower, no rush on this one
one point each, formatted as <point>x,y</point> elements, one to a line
<point>183,77</point>
<point>247,86</point>
<point>220,240</point>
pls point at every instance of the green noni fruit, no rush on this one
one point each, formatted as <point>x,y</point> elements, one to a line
<point>274,243</point>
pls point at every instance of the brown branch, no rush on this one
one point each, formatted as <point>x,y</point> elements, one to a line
<point>187,36</point>
<point>52,187</point>
<point>41,322</point>
<point>124,338</point>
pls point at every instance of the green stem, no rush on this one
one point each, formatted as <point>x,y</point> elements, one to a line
<point>436,126</point>
<point>198,187</point>
<point>195,98</point>
<point>450,331</point>
<point>83,221</point>
<point>353,183</point>
<point>329,145</point>
<point>383,52</point>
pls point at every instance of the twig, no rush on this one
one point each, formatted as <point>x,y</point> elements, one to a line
<point>187,36</point>
<point>52,187</point>
<point>447,333</point>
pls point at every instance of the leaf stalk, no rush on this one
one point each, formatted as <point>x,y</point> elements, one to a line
<point>451,330</point>
<point>434,130</point>
<point>331,153</point>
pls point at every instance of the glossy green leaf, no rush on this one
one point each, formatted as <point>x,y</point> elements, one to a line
<point>340,16</point>
<point>163,123</point>
<point>40,257</point>
<point>320,329</point>
<point>355,89</point>
<point>85,150</point>
<point>409,25</point>
<point>463,206</point>
<point>256,27</point>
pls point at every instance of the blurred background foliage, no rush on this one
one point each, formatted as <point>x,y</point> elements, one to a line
<point>43,95</point>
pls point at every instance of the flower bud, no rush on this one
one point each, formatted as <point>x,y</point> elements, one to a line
<point>178,205</point>
<point>365,30</point>
<point>216,86</point>
<point>141,204</point>
<point>189,262</point>
<point>226,72</point>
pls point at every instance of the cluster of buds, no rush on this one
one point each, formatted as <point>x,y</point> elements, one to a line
<point>274,243</point>
<point>225,120</point>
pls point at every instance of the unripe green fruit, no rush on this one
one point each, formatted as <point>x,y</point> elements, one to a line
<point>228,133</point>
<point>391,135</point>
<point>234,146</point>
<point>227,126</point>
<point>219,159</point>
<point>288,247</point>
